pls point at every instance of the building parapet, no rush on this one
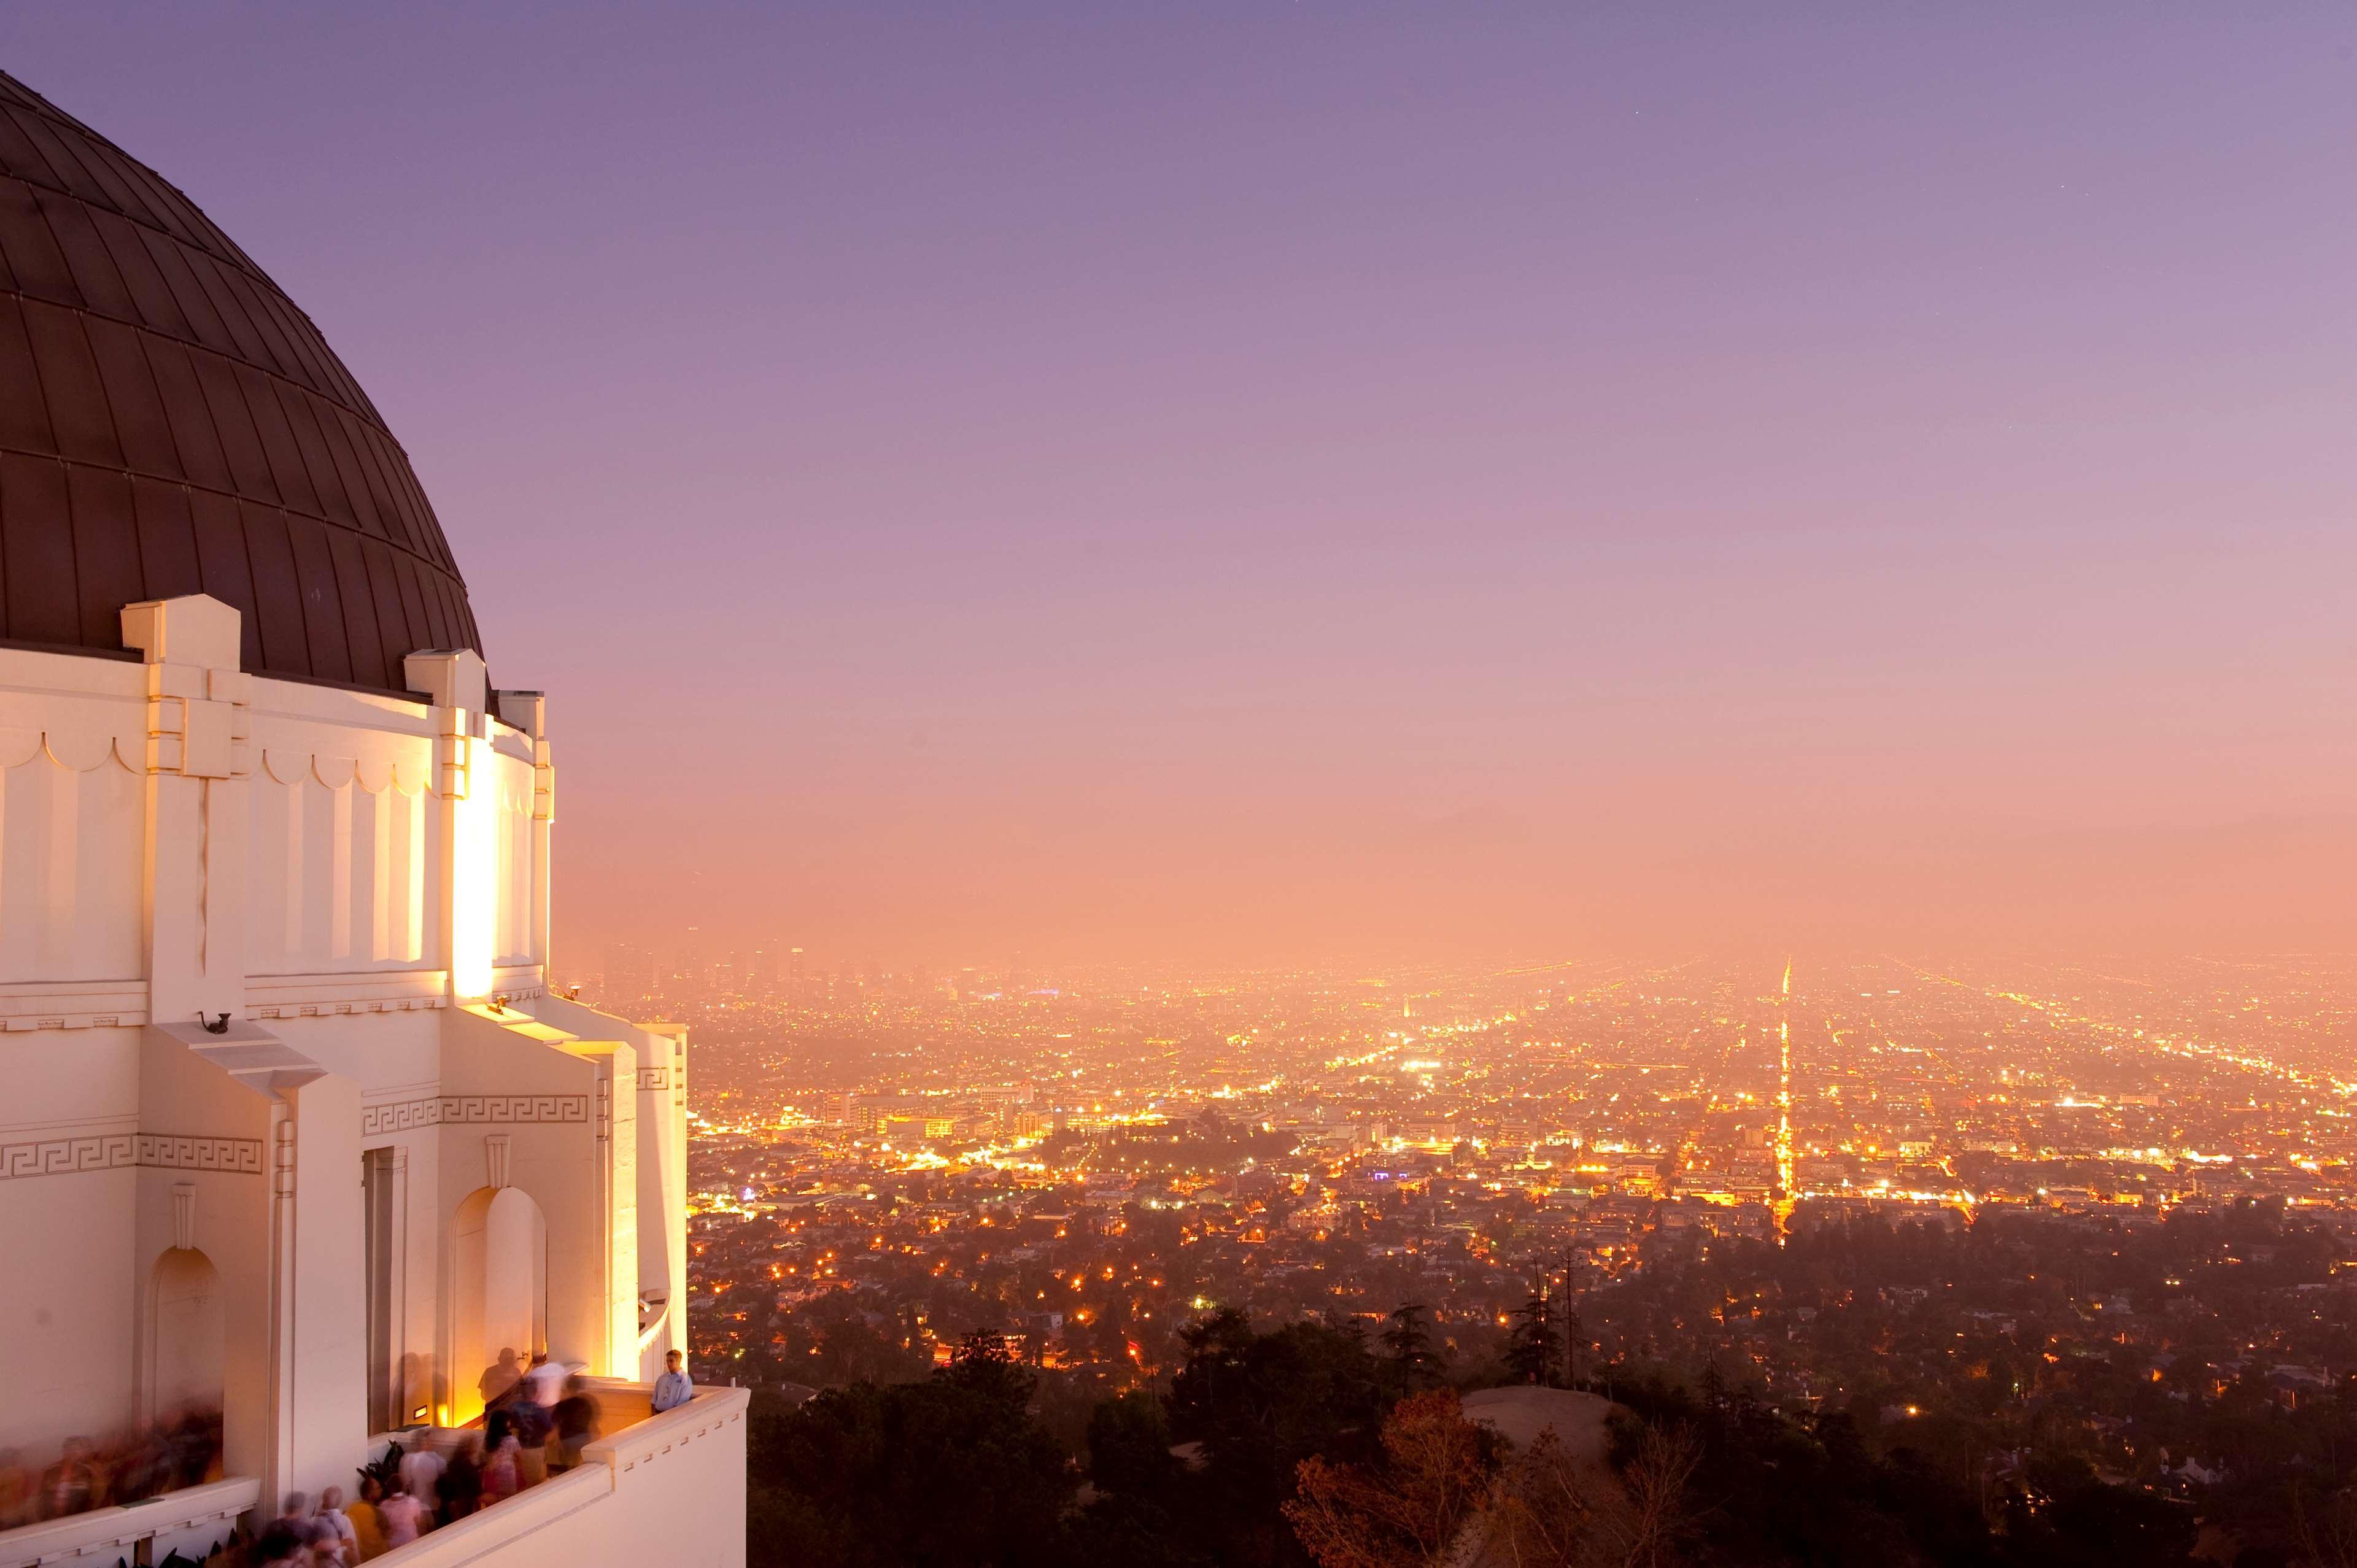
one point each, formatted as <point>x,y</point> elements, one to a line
<point>192,1521</point>
<point>653,1492</point>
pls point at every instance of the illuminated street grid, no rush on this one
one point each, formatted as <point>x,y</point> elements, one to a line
<point>885,1162</point>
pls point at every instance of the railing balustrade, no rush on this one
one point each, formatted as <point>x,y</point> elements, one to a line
<point>192,1520</point>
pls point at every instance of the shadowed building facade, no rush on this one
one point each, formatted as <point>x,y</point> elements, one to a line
<point>297,1139</point>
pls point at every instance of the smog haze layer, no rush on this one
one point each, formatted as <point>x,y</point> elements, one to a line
<point>1251,488</point>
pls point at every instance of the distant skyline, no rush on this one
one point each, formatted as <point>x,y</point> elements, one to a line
<point>1260,485</point>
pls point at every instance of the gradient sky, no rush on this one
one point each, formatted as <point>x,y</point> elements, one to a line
<point>1265,482</point>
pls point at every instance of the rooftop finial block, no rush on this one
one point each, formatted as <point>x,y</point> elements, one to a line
<point>195,628</point>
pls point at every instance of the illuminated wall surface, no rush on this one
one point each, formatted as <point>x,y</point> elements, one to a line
<point>481,867</point>
<point>277,1022</point>
<point>296,1129</point>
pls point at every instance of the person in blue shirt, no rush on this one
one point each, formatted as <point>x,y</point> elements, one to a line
<point>672,1388</point>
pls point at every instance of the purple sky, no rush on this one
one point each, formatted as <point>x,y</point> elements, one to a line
<point>1264,482</point>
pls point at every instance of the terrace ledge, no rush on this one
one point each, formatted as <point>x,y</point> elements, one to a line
<point>627,1485</point>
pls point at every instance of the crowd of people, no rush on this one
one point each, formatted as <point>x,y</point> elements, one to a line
<point>536,1420</point>
<point>183,1449</point>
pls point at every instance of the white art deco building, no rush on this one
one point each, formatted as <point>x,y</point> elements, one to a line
<point>294,1128</point>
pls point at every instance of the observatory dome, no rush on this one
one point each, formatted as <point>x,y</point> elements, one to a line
<point>171,423</point>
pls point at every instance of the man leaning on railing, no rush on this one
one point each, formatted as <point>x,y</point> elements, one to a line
<point>672,1388</point>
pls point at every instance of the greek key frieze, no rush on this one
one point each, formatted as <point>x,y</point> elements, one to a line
<point>64,1157</point>
<point>515,1108</point>
<point>183,1152</point>
<point>400,1116</point>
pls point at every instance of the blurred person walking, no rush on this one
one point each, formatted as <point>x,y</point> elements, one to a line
<point>421,1477</point>
<point>337,1532</point>
<point>68,1485</point>
<point>406,1518</point>
<point>366,1515</point>
<point>576,1424</point>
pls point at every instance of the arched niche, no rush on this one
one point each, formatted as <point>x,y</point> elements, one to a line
<point>498,1274</point>
<point>187,1333</point>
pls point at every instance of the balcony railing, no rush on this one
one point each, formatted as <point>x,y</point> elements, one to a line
<point>641,1492</point>
<point>650,1487</point>
<point>192,1521</point>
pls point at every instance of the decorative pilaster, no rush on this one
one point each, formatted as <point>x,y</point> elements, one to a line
<point>527,712</point>
<point>184,1215</point>
<point>199,754</point>
<point>544,818</point>
<point>454,683</point>
<point>319,1361</point>
<point>407,1395</point>
<point>279,1463</point>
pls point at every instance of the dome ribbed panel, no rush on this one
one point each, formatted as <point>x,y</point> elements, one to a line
<point>171,423</point>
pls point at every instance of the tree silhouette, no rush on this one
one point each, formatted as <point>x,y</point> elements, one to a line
<point>984,1363</point>
<point>1259,1404</point>
<point>951,1470</point>
<point>1410,1511</point>
<point>1529,1347</point>
<point>1407,1348</point>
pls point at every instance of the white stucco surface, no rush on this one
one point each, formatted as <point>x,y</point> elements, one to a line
<point>256,938</point>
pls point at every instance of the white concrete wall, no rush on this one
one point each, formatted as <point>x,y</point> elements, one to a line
<point>215,1135</point>
<point>344,872</point>
<point>322,1394</point>
<point>178,836</point>
<point>349,854</point>
<point>567,1139</point>
<point>396,1057</point>
<point>72,742</point>
<point>67,1137</point>
<point>69,862</point>
<point>512,779</point>
<point>662,1160</point>
<point>663,1194</point>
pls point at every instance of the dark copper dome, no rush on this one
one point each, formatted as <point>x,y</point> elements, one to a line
<point>170,423</point>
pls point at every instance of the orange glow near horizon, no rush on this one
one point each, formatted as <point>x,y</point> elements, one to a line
<point>1057,560</point>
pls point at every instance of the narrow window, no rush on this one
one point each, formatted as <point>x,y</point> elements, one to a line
<point>379,1221</point>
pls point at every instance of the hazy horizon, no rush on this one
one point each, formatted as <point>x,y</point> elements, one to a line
<point>1250,488</point>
